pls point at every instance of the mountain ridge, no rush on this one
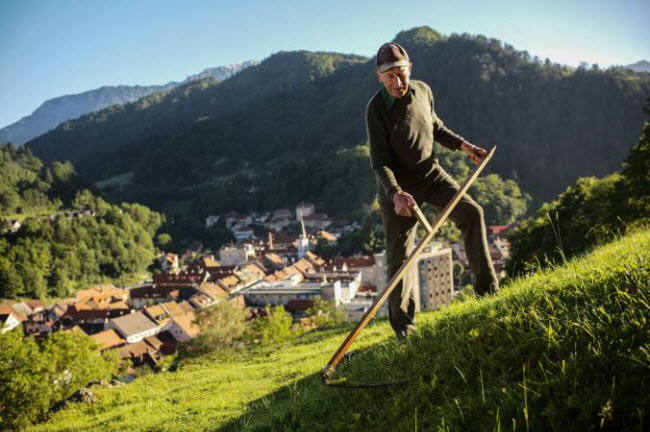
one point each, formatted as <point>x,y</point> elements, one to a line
<point>57,110</point>
<point>552,123</point>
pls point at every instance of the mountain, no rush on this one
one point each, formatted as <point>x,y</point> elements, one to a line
<point>292,127</point>
<point>221,73</point>
<point>640,66</point>
<point>56,111</point>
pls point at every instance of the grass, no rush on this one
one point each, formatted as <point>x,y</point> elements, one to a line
<point>566,349</point>
<point>119,180</point>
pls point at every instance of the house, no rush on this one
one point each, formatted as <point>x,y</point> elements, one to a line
<point>279,220</point>
<point>36,305</point>
<point>235,255</point>
<point>8,319</point>
<point>163,312</point>
<point>169,263</point>
<point>274,261</point>
<point>181,295</point>
<point>305,209</point>
<point>141,353</point>
<point>39,324</point>
<point>84,312</point>
<point>317,221</point>
<point>248,274</point>
<point>103,293</point>
<point>234,218</point>
<point>134,327</point>
<point>230,283</point>
<point>208,263</point>
<point>208,295</point>
<point>12,225</point>
<point>278,292</point>
<point>57,311</point>
<point>327,236</point>
<point>149,294</point>
<point>94,312</point>
<point>186,306</point>
<point>211,220</point>
<point>192,276</point>
<point>22,308</point>
<point>361,263</point>
<point>314,259</point>
<point>242,233</point>
<point>163,342</point>
<point>183,327</point>
<point>108,339</point>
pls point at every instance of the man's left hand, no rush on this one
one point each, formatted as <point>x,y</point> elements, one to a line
<point>474,153</point>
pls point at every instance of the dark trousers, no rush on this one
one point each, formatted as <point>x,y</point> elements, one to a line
<point>437,189</point>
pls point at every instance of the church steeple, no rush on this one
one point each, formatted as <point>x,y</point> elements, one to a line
<point>303,242</point>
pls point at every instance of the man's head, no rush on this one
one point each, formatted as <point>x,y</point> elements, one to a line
<point>394,69</point>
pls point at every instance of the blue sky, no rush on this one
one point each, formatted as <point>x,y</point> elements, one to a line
<point>50,48</point>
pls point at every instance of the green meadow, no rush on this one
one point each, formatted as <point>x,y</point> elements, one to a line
<point>566,349</point>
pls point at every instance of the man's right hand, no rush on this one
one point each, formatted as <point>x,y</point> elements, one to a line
<point>403,202</point>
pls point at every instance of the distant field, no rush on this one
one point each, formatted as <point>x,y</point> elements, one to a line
<point>119,180</point>
<point>567,349</point>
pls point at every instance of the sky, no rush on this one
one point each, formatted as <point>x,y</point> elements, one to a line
<point>51,48</point>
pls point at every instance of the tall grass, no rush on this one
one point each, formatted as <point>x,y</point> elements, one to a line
<point>567,349</point>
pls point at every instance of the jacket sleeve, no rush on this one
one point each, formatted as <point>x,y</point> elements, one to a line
<point>442,133</point>
<point>380,160</point>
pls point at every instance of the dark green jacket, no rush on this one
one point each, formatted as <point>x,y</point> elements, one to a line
<point>401,134</point>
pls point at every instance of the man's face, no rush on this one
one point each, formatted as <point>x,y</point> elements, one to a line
<point>396,80</point>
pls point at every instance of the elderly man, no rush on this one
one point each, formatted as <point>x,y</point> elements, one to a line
<point>402,125</point>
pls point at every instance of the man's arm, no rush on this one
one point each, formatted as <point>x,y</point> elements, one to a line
<point>380,160</point>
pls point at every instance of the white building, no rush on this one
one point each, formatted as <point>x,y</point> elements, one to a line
<point>305,209</point>
<point>242,232</point>
<point>8,322</point>
<point>436,277</point>
<point>134,327</point>
<point>211,220</point>
<point>183,327</point>
<point>235,255</point>
<point>380,270</point>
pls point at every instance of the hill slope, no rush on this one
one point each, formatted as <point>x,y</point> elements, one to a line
<point>562,350</point>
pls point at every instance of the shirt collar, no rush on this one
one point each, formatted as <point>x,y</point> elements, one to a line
<point>389,100</point>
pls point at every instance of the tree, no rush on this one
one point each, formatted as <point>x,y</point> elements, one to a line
<point>221,327</point>
<point>163,240</point>
<point>33,377</point>
<point>274,327</point>
<point>326,313</point>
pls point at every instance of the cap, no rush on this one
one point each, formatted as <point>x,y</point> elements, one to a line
<point>391,55</point>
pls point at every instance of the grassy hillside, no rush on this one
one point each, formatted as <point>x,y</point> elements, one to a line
<point>566,349</point>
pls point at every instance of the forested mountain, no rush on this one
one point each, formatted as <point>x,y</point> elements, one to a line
<point>587,214</point>
<point>69,238</point>
<point>28,187</point>
<point>55,111</point>
<point>292,128</point>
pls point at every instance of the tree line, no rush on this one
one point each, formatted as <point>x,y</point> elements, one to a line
<point>590,212</point>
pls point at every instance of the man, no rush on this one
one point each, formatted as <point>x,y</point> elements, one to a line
<point>402,125</point>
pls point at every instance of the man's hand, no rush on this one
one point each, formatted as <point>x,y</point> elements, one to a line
<point>474,153</point>
<point>403,203</point>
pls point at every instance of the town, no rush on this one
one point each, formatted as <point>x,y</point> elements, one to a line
<point>148,321</point>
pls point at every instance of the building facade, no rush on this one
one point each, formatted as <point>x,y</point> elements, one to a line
<point>435,277</point>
